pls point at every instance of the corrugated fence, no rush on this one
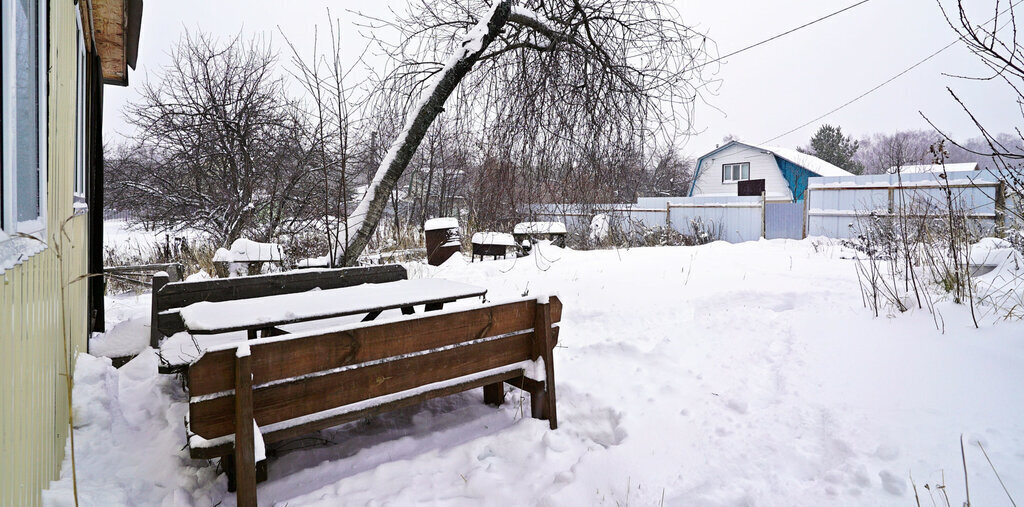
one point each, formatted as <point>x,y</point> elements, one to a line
<point>830,208</point>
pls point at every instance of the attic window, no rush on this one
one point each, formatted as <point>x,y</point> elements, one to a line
<point>735,172</point>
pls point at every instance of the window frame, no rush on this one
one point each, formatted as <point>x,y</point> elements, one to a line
<point>12,231</point>
<point>739,171</point>
<point>79,188</point>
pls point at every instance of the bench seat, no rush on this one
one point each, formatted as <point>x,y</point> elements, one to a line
<point>295,384</point>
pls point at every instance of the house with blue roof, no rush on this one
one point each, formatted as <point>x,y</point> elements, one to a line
<point>784,171</point>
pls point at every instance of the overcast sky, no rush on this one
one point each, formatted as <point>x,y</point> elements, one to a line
<point>758,95</point>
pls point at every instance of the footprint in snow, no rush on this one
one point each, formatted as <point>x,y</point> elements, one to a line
<point>892,483</point>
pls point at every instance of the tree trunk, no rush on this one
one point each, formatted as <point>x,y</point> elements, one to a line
<point>404,147</point>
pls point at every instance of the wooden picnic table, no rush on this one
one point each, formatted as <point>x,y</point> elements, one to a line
<point>269,312</point>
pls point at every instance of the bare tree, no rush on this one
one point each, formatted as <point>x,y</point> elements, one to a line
<point>882,153</point>
<point>221,149</point>
<point>615,70</point>
<point>1003,53</point>
<point>330,107</point>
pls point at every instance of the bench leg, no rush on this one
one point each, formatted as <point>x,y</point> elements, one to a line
<point>539,405</point>
<point>540,400</point>
<point>494,394</point>
<point>228,464</point>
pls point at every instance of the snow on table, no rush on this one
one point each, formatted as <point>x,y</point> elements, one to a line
<point>494,238</point>
<point>319,304</point>
<point>539,228</point>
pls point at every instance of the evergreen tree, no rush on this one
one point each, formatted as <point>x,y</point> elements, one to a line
<point>830,145</point>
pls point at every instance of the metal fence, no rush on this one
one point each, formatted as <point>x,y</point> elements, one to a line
<point>835,203</point>
<point>830,207</point>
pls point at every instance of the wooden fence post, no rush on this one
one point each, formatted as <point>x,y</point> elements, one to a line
<point>668,215</point>
<point>544,339</point>
<point>807,197</point>
<point>764,204</point>
<point>245,452</point>
<point>1000,217</point>
<point>159,280</point>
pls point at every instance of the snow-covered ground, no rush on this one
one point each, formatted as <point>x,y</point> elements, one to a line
<point>745,374</point>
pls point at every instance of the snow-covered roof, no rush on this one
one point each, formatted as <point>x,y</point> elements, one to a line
<point>441,223</point>
<point>494,238</point>
<point>935,168</point>
<point>539,228</point>
<point>807,161</point>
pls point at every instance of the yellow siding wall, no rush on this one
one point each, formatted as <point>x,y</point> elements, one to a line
<point>33,399</point>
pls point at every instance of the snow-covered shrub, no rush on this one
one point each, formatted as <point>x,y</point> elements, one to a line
<point>930,249</point>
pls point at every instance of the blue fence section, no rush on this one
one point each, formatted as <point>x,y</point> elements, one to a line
<point>784,220</point>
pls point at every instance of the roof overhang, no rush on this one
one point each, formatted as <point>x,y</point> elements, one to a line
<point>115,28</point>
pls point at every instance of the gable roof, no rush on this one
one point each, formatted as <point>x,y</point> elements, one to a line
<point>809,162</point>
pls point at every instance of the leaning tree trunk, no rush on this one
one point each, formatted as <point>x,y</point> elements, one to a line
<point>367,215</point>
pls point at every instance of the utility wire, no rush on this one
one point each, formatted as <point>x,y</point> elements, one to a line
<point>783,34</point>
<point>887,81</point>
<point>869,92</point>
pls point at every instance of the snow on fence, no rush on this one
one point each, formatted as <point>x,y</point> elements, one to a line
<point>834,203</point>
<point>732,219</point>
<point>830,208</point>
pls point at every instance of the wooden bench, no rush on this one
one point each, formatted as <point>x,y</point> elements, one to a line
<point>169,297</point>
<point>296,384</point>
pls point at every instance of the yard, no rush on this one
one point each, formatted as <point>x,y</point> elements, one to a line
<point>746,374</point>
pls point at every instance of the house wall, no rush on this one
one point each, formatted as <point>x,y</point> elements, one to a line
<point>33,357</point>
<point>762,165</point>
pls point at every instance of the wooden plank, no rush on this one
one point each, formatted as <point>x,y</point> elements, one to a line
<point>109,24</point>
<point>176,295</point>
<point>311,426</point>
<point>245,453</point>
<point>543,335</point>
<point>278,402</point>
<point>284,359</point>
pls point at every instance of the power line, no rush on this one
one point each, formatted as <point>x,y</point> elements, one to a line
<point>783,34</point>
<point>865,94</point>
<point>887,81</point>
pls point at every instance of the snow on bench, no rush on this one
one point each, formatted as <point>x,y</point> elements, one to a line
<point>292,385</point>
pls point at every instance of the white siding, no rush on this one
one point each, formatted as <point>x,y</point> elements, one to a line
<point>762,166</point>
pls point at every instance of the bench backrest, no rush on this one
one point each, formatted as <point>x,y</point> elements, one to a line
<point>168,296</point>
<point>293,377</point>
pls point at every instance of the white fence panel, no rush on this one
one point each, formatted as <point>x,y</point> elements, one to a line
<point>735,219</point>
<point>834,203</point>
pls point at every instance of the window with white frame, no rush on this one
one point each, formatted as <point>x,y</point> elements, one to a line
<point>735,172</point>
<point>80,133</point>
<point>23,94</point>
